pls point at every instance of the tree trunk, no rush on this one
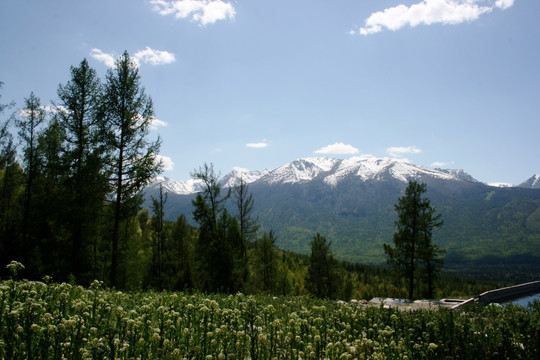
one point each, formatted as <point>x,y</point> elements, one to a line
<point>117,216</point>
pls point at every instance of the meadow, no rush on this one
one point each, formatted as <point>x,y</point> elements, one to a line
<point>46,320</point>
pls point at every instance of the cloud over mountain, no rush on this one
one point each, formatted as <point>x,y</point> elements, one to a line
<point>338,149</point>
<point>166,161</point>
<point>399,151</point>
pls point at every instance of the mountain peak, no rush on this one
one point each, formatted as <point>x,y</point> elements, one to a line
<point>533,182</point>
<point>248,176</point>
<point>300,170</point>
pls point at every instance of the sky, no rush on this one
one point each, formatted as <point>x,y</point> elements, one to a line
<point>259,83</point>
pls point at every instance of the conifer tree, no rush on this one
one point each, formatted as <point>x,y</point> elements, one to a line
<point>412,239</point>
<point>218,233</point>
<point>48,207</point>
<point>265,262</point>
<point>321,278</point>
<point>182,248</point>
<point>86,181</point>
<point>11,185</point>
<point>29,122</point>
<point>128,114</point>
<point>248,224</point>
<point>430,255</point>
<point>159,235</point>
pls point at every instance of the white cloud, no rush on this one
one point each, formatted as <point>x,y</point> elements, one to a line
<point>338,149</point>
<point>43,110</point>
<point>258,145</point>
<point>146,56</point>
<point>429,12</point>
<point>399,151</point>
<point>107,59</point>
<point>441,164</point>
<point>504,4</point>
<point>153,57</point>
<point>155,123</point>
<point>438,164</point>
<point>166,161</point>
<point>202,11</point>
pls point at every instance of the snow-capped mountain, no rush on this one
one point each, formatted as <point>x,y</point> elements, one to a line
<point>532,182</point>
<point>385,169</point>
<point>174,186</point>
<point>500,184</point>
<point>351,202</point>
<point>330,170</point>
<point>193,186</point>
<point>248,176</point>
<point>300,171</point>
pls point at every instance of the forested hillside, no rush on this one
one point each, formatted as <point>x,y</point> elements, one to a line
<point>484,226</point>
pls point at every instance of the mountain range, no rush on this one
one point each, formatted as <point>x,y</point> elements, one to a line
<point>351,202</point>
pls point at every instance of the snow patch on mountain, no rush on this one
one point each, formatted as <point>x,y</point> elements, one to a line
<point>248,176</point>
<point>330,170</point>
<point>374,169</point>
<point>499,184</point>
<point>300,171</point>
<point>358,166</point>
<point>458,173</point>
<point>532,182</point>
<point>175,186</point>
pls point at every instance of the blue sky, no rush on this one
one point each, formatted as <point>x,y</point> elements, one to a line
<point>258,83</point>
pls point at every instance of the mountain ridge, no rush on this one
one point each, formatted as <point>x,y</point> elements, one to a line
<point>351,202</point>
<point>333,170</point>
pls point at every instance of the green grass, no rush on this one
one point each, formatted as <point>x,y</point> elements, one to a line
<point>54,321</point>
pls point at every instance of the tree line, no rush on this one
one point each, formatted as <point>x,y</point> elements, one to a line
<point>71,191</point>
<point>70,207</point>
<point>72,182</point>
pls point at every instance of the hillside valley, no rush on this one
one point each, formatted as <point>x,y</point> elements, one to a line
<point>351,202</point>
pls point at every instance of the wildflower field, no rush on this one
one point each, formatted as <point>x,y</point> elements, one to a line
<point>60,321</point>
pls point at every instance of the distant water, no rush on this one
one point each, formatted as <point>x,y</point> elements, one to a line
<point>524,301</point>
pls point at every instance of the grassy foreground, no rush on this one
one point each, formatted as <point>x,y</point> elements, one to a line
<point>56,321</point>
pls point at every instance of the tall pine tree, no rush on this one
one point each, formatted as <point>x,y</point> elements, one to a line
<point>86,181</point>
<point>11,185</point>
<point>321,277</point>
<point>29,123</point>
<point>128,113</point>
<point>219,235</point>
<point>412,239</point>
<point>248,224</point>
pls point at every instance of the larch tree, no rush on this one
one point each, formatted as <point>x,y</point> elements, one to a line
<point>132,158</point>
<point>248,224</point>
<point>412,239</point>
<point>265,262</point>
<point>11,182</point>
<point>78,113</point>
<point>181,238</point>
<point>29,122</point>
<point>209,206</point>
<point>430,255</point>
<point>218,233</point>
<point>158,208</point>
<point>321,277</point>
